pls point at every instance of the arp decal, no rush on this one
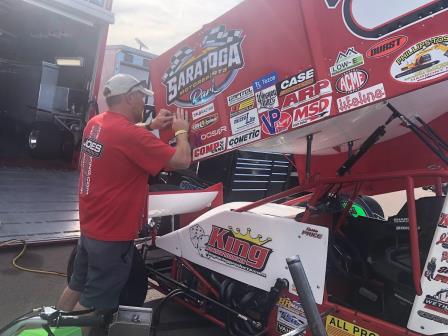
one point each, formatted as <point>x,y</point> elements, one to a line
<point>377,19</point>
<point>244,121</point>
<point>311,112</point>
<point>346,60</point>
<point>233,248</point>
<point>240,96</point>
<point>266,99</point>
<point>204,122</point>
<point>295,82</point>
<point>244,138</point>
<point>424,61</point>
<point>364,97</point>
<point>352,81</point>
<point>387,46</point>
<point>209,149</point>
<point>203,111</point>
<point>196,77</point>
<point>336,326</point>
<point>308,94</point>
<point>213,133</point>
<point>275,122</point>
<point>437,302</point>
<point>265,81</point>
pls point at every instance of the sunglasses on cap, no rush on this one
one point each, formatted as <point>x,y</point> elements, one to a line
<point>141,83</point>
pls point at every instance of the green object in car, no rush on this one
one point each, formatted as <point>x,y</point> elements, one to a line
<point>63,331</point>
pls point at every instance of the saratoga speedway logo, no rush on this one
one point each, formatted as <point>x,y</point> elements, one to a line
<point>195,78</point>
<point>231,247</point>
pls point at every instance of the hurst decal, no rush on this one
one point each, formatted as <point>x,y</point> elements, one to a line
<point>352,81</point>
<point>377,19</point>
<point>346,60</point>
<point>386,47</point>
<point>337,326</point>
<point>308,94</point>
<point>266,99</point>
<point>364,97</point>
<point>275,122</point>
<point>311,112</point>
<point>233,248</point>
<point>424,61</point>
<point>244,138</point>
<point>296,82</point>
<point>196,77</point>
<point>437,302</point>
<point>265,81</point>
<point>209,149</point>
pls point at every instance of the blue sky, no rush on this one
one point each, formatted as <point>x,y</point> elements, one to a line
<point>161,24</point>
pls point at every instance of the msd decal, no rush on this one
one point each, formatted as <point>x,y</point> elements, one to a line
<point>352,81</point>
<point>209,149</point>
<point>196,77</point>
<point>275,122</point>
<point>377,19</point>
<point>386,47</point>
<point>367,96</point>
<point>311,112</point>
<point>346,60</point>
<point>233,248</point>
<point>308,94</point>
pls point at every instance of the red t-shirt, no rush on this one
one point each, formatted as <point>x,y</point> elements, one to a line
<point>116,160</point>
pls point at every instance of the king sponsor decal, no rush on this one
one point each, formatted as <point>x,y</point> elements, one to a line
<point>209,149</point>
<point>346,60</point>
<point>244,121</point>
<point>295,82</point>
<point>233,248</point>
<point>367,96</point>
<point>266,99</point>
<point>336,326</point>
<point>204,122</point>
<point>308,94</point>
<point>275,122</point>
<point>244,138</point>
<point>424,61</point>
<point>352,81</point>
<point>203,111</point>
<point>196,77</point>
<point>387,46</point>
<point>311,112</point>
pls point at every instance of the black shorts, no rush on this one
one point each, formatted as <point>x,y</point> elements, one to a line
<point>100,271</point>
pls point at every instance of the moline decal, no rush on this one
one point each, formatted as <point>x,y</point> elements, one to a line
<point>337,326</point>
<point>231,247</point>
<point>196,77</point>
<point>346,60</point>
<point>376,19</point>
<point>364,97</point>
<point>424,61</point>
<point>387,46</point>
<point>352,81</point>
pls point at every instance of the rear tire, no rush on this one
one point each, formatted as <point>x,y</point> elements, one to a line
<point>45,140</point>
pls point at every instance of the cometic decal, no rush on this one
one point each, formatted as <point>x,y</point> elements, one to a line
<point>232,247</point>
<point>244,138</point>
<point>196,77</point>
<point>424,61</point>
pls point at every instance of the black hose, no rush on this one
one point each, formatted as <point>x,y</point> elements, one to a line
<point>165,300</point>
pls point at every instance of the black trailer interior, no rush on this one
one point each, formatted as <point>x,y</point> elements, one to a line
<point>42,104</point>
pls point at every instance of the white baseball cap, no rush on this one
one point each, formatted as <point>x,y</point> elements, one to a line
<point>123,84</point>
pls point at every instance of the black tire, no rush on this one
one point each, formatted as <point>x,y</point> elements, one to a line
<point>45,141</point>
<point>135,289</point>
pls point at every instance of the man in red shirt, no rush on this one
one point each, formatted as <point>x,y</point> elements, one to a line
<point>117,156</point>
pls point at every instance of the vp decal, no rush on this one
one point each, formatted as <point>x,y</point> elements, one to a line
<point>196,77</point>
<point>377,19</point>
<point>275,122</point>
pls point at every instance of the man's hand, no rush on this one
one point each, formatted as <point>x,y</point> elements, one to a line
<point>180,121</point>
<point>163,119</point>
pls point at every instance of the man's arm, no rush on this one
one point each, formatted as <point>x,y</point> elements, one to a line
<point>182,157</point>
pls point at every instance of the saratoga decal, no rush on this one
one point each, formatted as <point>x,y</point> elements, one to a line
<point>367,96</point>
<point>209,149</point>
<point>307,94</point>
<point>424,61</point>
<point>336,326</point>
<point>196,77</point>
<point>266,99</point>
<point>213,133</point>
<point>387,46</point>
<point>204,122</point>
<point>311,112</point>
<point>296,82</point>
<point>244,121</point>
<point>232,247</point>
<point>244,138</point>
<point>275,122</point>
<point>352,81</point>
<point>244,106</point>
<point>203,111</point>
<point>240,96</point>
<point>265,81</point>
<point>377,19</point>
<point>346,60</point>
